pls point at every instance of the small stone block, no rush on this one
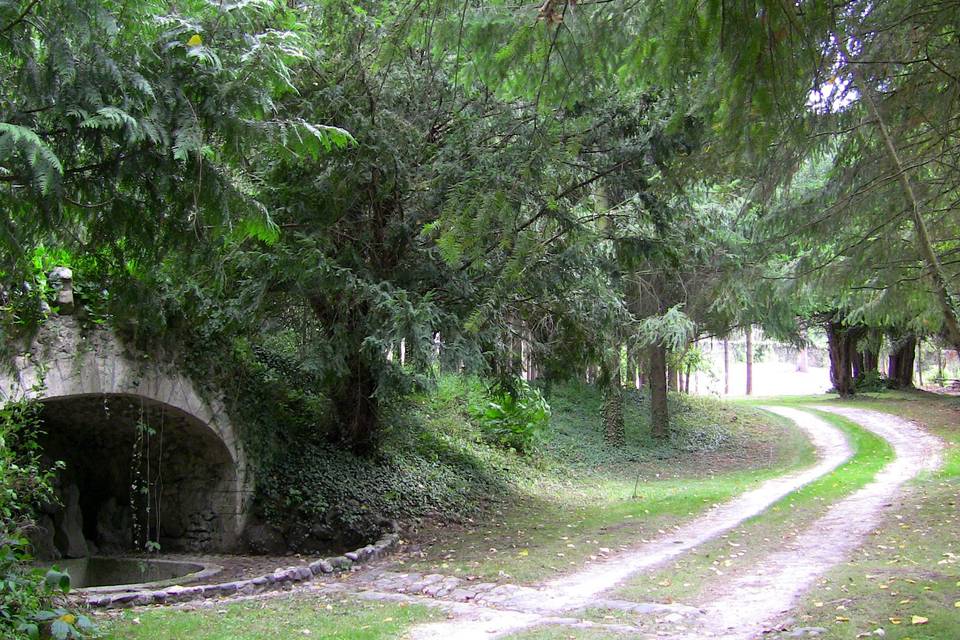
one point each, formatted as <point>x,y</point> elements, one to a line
<point>122,599</point>
<point>210,590</point>
<point>321,566</point>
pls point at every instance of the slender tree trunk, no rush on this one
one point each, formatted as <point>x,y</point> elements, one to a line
<point>749,336</point>
<point>920,362</point>
<point>840,368</point>
<point>803,360</point>
<point>657,379</point>
<point>726,367</point>
<point>934,270</point>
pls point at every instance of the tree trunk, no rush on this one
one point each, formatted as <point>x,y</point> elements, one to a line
<point>840,369</point>
<point>673,379</point>
<point>854,334</point>
<point>657,379</point>
<point>920,362</point>
<point>934,270</point>
<point>726,367</point>
<point>900,364</point>
<point>354,401</point>
<point>871,361</point>
<point>612,400</point>
<point>803,360</point>
<point>355,407</point>
<point>856,362</point>
<point>749,336</point>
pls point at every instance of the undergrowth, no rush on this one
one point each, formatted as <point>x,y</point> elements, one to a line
<point>437,460</point>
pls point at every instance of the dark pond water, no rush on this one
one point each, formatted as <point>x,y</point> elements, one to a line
<point>101,572</point>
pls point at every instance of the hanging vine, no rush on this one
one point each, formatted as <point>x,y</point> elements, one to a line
<point>144,498</point>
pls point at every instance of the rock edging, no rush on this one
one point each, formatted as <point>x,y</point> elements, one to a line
<point>280,579</point>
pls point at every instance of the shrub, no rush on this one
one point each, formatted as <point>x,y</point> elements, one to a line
<point>870,381</point>
<point>28,599</point>
<point>25,482</point>
<point>27,595</point>
<point>514,419</point>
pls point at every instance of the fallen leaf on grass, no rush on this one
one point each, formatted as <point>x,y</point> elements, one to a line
<point>919,620</point>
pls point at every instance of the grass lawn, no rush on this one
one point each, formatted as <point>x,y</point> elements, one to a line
<point>575,499</point>
<point>307,615</point>
<point>585,500</point>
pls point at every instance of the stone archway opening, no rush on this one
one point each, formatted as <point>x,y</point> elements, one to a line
<point>138,475</point>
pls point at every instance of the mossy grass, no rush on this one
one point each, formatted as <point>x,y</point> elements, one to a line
<point>578,498</point>
<point>307,615</point>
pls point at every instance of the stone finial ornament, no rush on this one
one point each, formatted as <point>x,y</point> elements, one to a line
<point>61,278</point>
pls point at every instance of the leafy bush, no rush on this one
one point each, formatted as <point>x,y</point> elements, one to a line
<point>28,599</point>
<point>25,482</point>
<point>514,419</point>
<point>28,596</point>
<point>870,381</point>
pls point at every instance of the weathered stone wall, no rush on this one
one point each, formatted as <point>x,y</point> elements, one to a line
<point>90,383</point>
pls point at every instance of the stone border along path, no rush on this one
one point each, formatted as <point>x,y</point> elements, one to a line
<point>745,607</point>
<point>280,579</point>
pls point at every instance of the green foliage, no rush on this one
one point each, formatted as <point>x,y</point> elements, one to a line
<point>870,381</point>
<point>28,599</point>
<point>515,418</point>
<point>305,476</point>
<point>437,459</point>
<point>25,482</point>
<point>28,596</point>
<point>698,425</point>
<point>125,127</point>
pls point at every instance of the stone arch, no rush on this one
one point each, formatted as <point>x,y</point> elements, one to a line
<point>76,372</point>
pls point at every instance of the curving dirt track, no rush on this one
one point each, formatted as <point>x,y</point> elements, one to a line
<point>750,604</point>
